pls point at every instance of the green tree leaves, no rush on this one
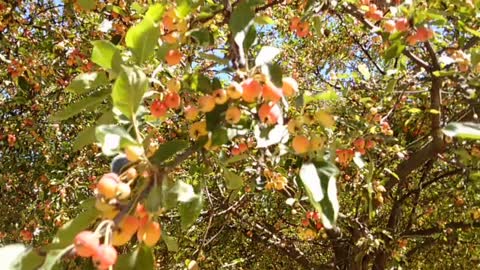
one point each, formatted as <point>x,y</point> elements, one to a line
<point>463,130</point>
<point>142,38</point>
<point>128,90</point>
<point>320,183</point>
<point>105,54</point>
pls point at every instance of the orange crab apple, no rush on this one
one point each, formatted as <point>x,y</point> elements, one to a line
<point>206,103</point>
<point>86,243</point>
<point>174,85</point>
<point>233,115</point>
<point>401,24</point>
<point>234,90</point>
<point>173,100</point>
<point>300,144</point>
<point>107,185</point>
<point>423,34</point>
<point>251,90</point>
<point>190,112</point>
<point>289,86</point>
<point>123,191</point>
<point>105,256</point>
<point>198,129</point>
<point>271,92</point>
<point>149,233</point>
<point>158,108</point>
<point>389,26</point>
<point>269,113</point>
<point>220,96</point>
<point>173,57</point>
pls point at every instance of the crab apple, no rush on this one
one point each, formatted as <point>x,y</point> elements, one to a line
<point>174,85</point>
<point>105,256</point>
<point>131,173</point>
<point>389,26</point>
<point>173,100</point>
<point>236,151</point>
<point>271,93</point>
<point>289,86</point>
<point>141,211</point>
<point>373,13</point>
<point>168,22</point>
<point>171,38</point>
<point>401,24</point>
<point>206,103</point>
<point>130,224</point>
<point>412,39</point>
<point>120,238</point>
<point>134,152</point>
<point>294,126</point>
<point>220,96</point>
<point>234,90</point>
<point>294,23</point>
<point>86,244</point>
<point>233,115</point>
<point>325,119</point>
<point>123,191</point>
<point>158,108</point>
<point>251,90</point>
<point>305,222</point>
<point>317,143</point>
<point>107,185</point>
<point>359,143</point>
<point>303,29</point>
<point>300,144</point>
<point>11,139</point>
<point>243,147</point>
<point>190,112</point>
<point>423,34</point>
<point>173,57</point>
<point>319,225</point>
<point>198,129</point>
<point>269,113</point>
<point>309,214</point>
<point>149,233</point>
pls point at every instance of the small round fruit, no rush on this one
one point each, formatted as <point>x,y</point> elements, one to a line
<point>233,115</point>
<point>131,173</point>
<point>105,257</point>
<point>173,100</point>
<point>220,96</point>
<point>389,26</point>
<point>107,185</point>
<point>289,86</point>
<point>251,90</point>
<point>134,152</point>
<point>173,57</point>
<point>269,113</point>
<point>206,103</point>
<point>86,244</point>
<point>120,238</point>
<point>317,143</point>
<point>198,129</point>
<point>234,91</point>
<point>158,108</point>
<point>130,224</point>
<point>300,144</point>
<point>190,112</point>
<point>243,147</point>
<point>149,233</point>
<point>401,24</point>
<point>294,126</point>
<point>123,191</point>
<point>174,85</point>
<point>271,93</point>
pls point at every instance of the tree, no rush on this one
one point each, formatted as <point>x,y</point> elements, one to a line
<point>319,134</point>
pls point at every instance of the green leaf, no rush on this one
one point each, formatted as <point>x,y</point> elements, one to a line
<point>202,36</point>
<point>241,17</point>
<point>250,38</point>
<point>128,90</point>
<point>171,242</point>
<point>469,29</point>
<point>87,136</point>
<point>394,51</point>
<point>464,130</point>
<point>444,73</point>
<point>264,20</point>
<point>212,57</point>
<point>52,258</point>
<point>87,4</point>
<point>219,136</point>
<point>363,69</point>
<point>69,230</point>
<point>214,117</point>
<point>317,25</point>
<point>104,53</point>
<point>23,83</point>
<point>235,159</point>
<point>266,55</point>
<point>190,211</point>
<point>81,105</point>
<point>30,259</point>
<point>155,12</point>
<point>320,184</point>
<point>168,150</point>
<point>273,71</point>
<point>232,180</point>
<point>184,8</point>
<point>329,95</point>
<point>142,39</point>
<point>142,258</point>
<point>86,82</point>
<point>113,138</point>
